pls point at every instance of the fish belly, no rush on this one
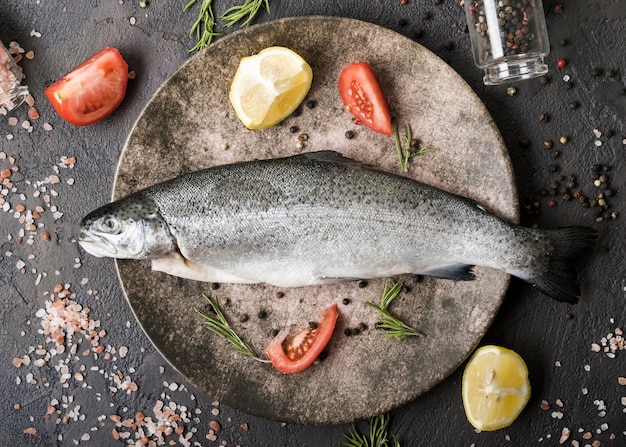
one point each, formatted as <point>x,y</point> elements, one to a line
<point>321,218</point>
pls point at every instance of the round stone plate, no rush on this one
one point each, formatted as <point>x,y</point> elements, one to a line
<point>190,125</point>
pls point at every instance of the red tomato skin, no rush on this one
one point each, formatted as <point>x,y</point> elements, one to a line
<point>278,357</point>
<point>376,115</point>
<point>91,91</point>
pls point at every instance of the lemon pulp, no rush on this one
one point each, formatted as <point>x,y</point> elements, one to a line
<point>269,86</point>
<point>495,388</point>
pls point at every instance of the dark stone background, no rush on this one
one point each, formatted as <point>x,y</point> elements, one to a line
<point>554,339</point>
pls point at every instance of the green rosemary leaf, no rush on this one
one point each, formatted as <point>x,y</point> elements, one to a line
<point>399,150</point>
<point>354,438</point>
<point>408,152</point>
<point>204,26</point>
<point>378,434</point>
<point>249,8</point>
<point>394,327</point>
<point>219,325</point>
<point>389,294</point>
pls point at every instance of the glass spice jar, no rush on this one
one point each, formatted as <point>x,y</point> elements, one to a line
<point>509,39</point>
<point>12,93</point>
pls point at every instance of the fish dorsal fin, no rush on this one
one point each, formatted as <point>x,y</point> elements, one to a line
<point>334,158</point>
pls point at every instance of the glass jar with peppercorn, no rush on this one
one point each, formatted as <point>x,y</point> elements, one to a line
<point>12,93</point>
<point>509,39</point>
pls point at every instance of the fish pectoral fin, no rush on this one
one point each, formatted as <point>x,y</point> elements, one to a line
<point>456,272</point>
<point>176,264</point>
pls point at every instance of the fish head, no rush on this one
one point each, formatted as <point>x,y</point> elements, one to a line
<point>131,228</point>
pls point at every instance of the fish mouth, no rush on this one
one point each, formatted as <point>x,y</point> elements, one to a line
<point>96,245</point>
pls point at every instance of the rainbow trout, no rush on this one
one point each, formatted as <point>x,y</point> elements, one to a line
<point>321,218</point>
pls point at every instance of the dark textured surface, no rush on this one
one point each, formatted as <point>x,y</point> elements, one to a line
<point>555,339</point>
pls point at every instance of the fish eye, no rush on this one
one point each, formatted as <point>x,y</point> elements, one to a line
<point>111,225</point>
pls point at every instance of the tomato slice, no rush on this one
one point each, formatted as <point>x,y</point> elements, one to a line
<point>92,90</point>
<point>363,97</point>
<point>297,353</point>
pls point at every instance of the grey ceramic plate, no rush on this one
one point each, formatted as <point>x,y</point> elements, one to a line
<point>189,125</point>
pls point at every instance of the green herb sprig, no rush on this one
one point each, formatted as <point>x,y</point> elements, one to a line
<point>249,8</point>
<point>409,151</point>
<point>378,434</point>
<point>394,326</point>
<point>204,26</point>
<point>219,325</point>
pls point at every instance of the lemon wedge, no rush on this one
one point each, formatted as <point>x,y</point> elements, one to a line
<point>269,86</point>
<point>495,388</point>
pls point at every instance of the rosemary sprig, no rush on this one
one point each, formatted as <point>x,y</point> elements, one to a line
<point>378,434</point>
<point>249,8</point>
<point>394,326</point>
<point>218,325</point>
<point>409,151</point>
<point>204,26</point>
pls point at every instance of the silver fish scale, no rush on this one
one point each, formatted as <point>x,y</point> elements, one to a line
<point>319,217</point>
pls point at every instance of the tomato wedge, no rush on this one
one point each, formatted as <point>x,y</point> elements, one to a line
<point>92,90</point>
<point>363,97</point>
<point>297,353</point>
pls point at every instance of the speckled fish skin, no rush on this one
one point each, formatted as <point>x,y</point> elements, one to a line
<point>320,218</point>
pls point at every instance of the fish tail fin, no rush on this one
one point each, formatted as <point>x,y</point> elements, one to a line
<point>559,279</point>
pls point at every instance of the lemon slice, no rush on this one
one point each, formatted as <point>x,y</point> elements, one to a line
<point>495,388</point>
<point>269,86</point>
